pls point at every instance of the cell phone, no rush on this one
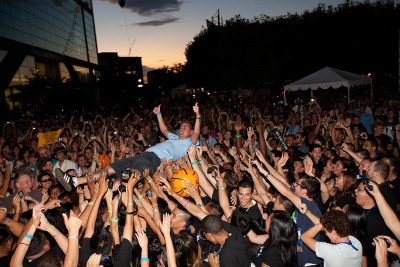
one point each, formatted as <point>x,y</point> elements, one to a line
<point>106,260</point>
<point>93,137</point>
<point>149,193</point>
<point>21,194</point>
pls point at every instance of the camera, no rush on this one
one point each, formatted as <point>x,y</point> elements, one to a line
<point>125,175</point>
<point>106,260</point>
<point>366,182</point>
<point>214,168</point>
<point>280,139</point>
<point>149,193</point>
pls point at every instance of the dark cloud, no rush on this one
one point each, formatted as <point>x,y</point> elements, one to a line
<point>156,22</point>
<point>150,7</point>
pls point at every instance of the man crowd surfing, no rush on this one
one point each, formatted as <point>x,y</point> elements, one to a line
<point>306,184</point>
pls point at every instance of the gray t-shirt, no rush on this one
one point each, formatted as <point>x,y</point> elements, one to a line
<point>340,254</point>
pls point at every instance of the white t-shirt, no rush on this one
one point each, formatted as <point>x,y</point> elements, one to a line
<point>67,164</point>
<point>341,254</point>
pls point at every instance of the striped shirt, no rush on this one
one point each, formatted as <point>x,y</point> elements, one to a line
<point>173,148</point>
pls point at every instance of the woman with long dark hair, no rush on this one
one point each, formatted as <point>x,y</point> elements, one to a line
<point>345,183</point>
<point>358,220</point>
<point>280,248</point>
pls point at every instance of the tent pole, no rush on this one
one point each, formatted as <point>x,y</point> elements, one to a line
<point>284,96</point>
<point>348,95</point>
<point>372,92</point>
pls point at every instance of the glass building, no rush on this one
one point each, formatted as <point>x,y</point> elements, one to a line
<point>50,39</point>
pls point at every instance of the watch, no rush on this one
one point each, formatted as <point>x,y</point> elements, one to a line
<point>200,205</point>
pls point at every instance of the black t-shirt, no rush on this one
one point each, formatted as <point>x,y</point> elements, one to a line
<point>343,201</point>
<point>253,211</point>
<point>85,251</point>
<point>53,251</point>
<point>387,194</point>
<point>272,257</point>
<point>5,261</point>
<point>233,254</point>
<point>122,253</point>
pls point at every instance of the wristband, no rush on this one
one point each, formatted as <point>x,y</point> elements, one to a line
<point>186,203</point>
<point>140,197</point>
<point>142,260</point>
<point>268,145</point>
<point>238,136</point>
<point>53,236</point>
<point>193,163</point>
<point>155,210</point>
<point>224,157</point>
<point>28,236</point>
<point>158,114</point>
<point>221,187</point>
<point>134,198</point>
<point>151,180</point>
<point>7,222</point>
<point>129,212</point>
<point>22,201</point>
<point>24,244</point>
<point>144,253</point>
<point>110,211</point>
<point>80,201</point>
<point>73,237</point>
<point>180,200</point>
<point>254,178</point>
<point>114,219</point>
<point>129,204</point>
<point>198,117</point>
<point>91,203</point>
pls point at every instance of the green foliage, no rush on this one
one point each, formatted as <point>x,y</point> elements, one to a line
<point>272,51</point>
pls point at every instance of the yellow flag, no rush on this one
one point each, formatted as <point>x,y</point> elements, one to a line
<point>48,137</point>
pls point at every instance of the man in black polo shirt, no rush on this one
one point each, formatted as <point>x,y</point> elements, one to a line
<point>375,223</point>
<point>232,252</point>
<point>378,171</point>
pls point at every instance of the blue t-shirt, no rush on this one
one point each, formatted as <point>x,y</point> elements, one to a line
<point>173,148</point>
<point>306,255</point>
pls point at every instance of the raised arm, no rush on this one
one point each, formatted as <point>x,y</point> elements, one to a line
<point>387,213</point>
<point>103,186</point>
<point>161,123</point>
<point>196,131</point>
<point>73,225</point>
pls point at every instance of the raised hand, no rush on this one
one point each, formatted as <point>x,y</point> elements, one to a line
<point>94,260</point>
<point>250,132</point>
<point>192,153</point>
<point>302,208</point>
<point>142,238</point>
<point>308,166</point>
<point>166,186</point>
<point>157,110</point>
<point>103,184</point>
<point>284,158</point>
<point>165,224</point>
<point>196,109</point>
<point>192,191</point>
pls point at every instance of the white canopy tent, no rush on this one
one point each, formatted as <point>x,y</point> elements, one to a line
<point>328,78</point>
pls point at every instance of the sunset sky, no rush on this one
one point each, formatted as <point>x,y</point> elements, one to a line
<point>161,29</point>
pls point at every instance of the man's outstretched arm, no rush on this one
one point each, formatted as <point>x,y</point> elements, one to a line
<point>196,132</point>
<point>161,123</point>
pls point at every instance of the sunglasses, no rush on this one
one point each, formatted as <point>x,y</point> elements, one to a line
<point>300,185</point>
<point>45,180</point>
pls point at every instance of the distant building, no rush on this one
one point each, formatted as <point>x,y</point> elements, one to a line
<point>121,72</point>
<point>53,39</point>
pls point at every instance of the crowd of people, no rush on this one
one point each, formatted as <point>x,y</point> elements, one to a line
<point>306,184</point>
